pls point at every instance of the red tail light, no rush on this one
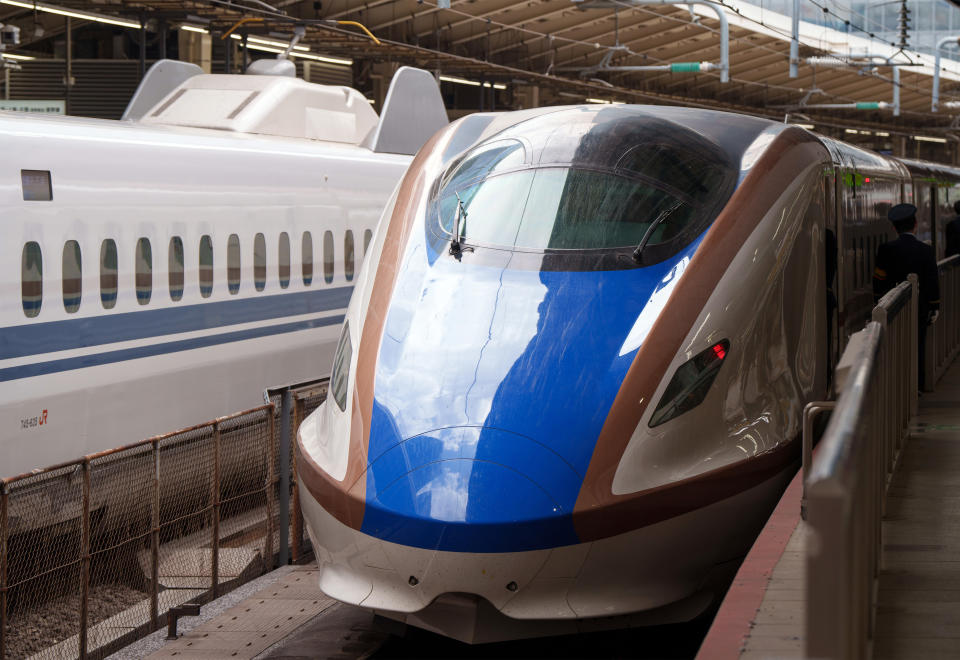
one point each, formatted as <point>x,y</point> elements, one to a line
<point>690,383</point>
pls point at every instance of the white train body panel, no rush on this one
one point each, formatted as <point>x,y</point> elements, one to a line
<point>97,378</point>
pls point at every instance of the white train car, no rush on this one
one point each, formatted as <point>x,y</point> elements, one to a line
<point>161,272</point>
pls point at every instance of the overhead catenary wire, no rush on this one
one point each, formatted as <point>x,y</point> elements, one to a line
<point>326,24</point>
<point>628,52</point>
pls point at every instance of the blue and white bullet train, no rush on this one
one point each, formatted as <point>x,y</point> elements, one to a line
<point>569,387</point>
<point>161,272</point>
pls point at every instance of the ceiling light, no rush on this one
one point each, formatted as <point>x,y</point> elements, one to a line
<point>323,58</point>
<point>193,28</point>
<point>924,138</point>
<point>598,101</point>
<point>50,9</point>
<point>809,127</point>
<point>471,83</point>
<point>306,56</point>
<point>882,134</point>
<point>11,56</point>
<point>851,131</point>
<point>459,81</point>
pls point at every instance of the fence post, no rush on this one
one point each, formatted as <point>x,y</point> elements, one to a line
<point>914,327</point>
<point>271,491</point>
<point>297,522</point>
<point>85,561</point>
<point>4,498</point>
<point>215,545</point>
<point>155,541</point>
<point>283,524</point>
<point>828,579</point>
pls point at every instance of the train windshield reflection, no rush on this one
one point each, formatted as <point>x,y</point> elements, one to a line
<point>586,185</point>
<point>565,209</point>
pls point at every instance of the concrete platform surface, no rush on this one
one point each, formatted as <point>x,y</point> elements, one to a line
<point>918,602</point>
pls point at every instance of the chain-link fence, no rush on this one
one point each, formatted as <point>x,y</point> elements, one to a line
<point>95,552</point>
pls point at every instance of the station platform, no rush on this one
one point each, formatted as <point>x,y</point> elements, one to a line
<point>279,615</point>
<point>918,604</point>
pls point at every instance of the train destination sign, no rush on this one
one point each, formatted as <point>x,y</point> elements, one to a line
<point>52,107</point>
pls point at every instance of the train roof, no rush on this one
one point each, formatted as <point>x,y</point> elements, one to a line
<point>937,172</point>
<point>863,161</point>
<point>267,105</point>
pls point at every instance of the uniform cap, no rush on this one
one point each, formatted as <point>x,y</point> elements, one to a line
<point>901,212</point>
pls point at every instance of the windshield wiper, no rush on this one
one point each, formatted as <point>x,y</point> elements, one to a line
<point>455,248</point>
<point>653,225</point>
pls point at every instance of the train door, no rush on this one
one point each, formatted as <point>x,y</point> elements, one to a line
<point>925,195</point>
<point>831,262</point>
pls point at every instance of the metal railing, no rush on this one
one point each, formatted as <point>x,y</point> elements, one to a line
<point>94,552</point>
<point>847,484</point>
<point>943,337</point>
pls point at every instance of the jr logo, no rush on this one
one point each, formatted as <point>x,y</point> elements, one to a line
<point>33,422</point>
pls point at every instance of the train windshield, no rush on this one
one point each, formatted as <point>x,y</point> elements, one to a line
<point>509,194</point>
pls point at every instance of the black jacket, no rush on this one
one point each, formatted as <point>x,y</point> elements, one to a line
<point>899,258</point>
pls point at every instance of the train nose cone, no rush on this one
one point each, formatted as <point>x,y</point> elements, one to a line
<point>471,489</point>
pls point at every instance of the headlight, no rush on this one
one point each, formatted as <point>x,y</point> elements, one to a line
<point>341,368</point>
<point>690,383</point>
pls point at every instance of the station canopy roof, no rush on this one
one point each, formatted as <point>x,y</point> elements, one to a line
<point>558,45</point>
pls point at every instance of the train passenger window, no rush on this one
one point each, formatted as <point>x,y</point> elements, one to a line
<point>31,279</point>
<point>206,266</point>
<point>307,251</point>
<point>367,235</point>
<point>233,264</point>
<point>144,271</point>
<point>72,276</point>
<point>328,257</point>
<point>283,261</point>
<point>175,268</point>
<point>108,273</point>
<point>259,262</point>
<point>348,255</point>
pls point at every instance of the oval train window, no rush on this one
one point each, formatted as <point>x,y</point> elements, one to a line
<point>143,262</point>
<point>108,273</point>
<point>259,262</point>
<point>307,253</point>
<point>72,276</point>
<point>233,264</point>
<point>367,235</point>
<point>31,279</point>
<point>206,266</point>
<point>175,268</point>
<point>283,260</point>
<point>328,256</point>
<point>348,257</point>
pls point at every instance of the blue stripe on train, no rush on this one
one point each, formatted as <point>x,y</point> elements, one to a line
<point>492,386</point>
<point>109,357</point>
<point>34,338</point>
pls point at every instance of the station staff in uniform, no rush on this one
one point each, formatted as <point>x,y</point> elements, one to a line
<point>907,254</point>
